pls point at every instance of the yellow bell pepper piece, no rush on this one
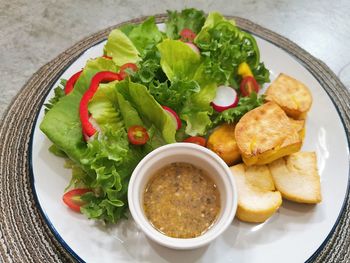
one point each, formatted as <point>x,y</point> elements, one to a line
<point>244,70</point>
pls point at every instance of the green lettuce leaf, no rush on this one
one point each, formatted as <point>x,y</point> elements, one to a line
<point>121,48</point>
<point>62,123</point>
<point>178,60</point>
<point>59,94</point>
<point>188,18</point>
<point>144,36</point>
<point>148,108</point>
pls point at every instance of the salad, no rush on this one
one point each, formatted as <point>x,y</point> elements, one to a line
<point>150,88</point>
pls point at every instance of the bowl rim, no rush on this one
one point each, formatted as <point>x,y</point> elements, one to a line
<point>222,222</point>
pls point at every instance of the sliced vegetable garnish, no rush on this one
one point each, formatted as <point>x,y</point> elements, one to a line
<point>249,85</point>
<point>187,35</point>
<point>174,116</point>
<point>107,57</point>
<point>193,46</point>
<point>73,198</point>
<point>71,81</point>
<point>244,70</point>
<point>100,77</point>
<point>138,135</point>
<point>197,140</point>
<point>226,98</point>
<point>122,71</point>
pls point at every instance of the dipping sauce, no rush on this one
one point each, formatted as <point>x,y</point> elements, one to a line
<point>181,201</point>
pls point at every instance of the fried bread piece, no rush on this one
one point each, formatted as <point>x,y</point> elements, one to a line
<point>296,177</point>
<point>265,134</point>
<point>257,198</point>
<point>291,95</point>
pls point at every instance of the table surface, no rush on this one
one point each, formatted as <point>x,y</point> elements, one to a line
<point>34,32</point>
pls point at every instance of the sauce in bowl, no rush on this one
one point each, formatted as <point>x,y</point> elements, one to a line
<point>181,201</point>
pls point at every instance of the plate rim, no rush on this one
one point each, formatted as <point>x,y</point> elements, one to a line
<point>163,16</point>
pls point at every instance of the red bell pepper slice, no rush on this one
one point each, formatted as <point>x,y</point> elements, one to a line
<point>100,77</point>
<point>71,82</point>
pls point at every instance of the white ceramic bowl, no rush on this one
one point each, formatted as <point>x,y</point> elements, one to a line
<point>200,157</point>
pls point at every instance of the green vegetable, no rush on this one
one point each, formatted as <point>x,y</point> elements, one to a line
<point>245,104</point>
<point>169,73</point>
<point>62,124</point>
<point>178,60</point>
<point>59,93</point>
<point>144,36</point>
<point>57,151</point>
<point>188,18</point>
<point>174,94</point>
<point>121,48</point>
<point>224,46</point>
<point>149,109</point>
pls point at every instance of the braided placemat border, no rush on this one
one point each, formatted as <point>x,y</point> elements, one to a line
<point>24,234</point>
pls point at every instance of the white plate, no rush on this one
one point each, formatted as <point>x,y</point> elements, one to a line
<point>294,234</point>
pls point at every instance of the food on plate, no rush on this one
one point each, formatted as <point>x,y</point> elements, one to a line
<point>181,200</point>
<point>257,197</point>
<point>265,134</point>
<point>291,95</point>
<point>226,98</point>
<point>296,177</point>
<point>222,141</point>
<point>198,79</point>
<point>299,125</point>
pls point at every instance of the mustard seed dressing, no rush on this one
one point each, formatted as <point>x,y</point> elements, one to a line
<point>181,201</point>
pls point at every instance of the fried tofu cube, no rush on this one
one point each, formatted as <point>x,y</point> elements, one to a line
<point>265,134</point>
<point>257,198</point>
<point>222,141</point>
<point>291,95</point>
<point>299,125</point>
<point>296,177</point>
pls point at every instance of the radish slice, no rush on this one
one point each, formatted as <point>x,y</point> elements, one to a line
<point>193,47</point>
<point>226,98</point>
<point>174,116</point>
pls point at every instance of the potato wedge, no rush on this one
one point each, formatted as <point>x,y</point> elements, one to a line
<point>266,134</point>
<point>222,141</point>
<point>291,95</point>
<point>296,177</point>
<point>257,198</point>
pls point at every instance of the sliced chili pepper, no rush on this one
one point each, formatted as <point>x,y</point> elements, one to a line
<point>197,140</point>
<point>100,77</point>
<point>138,135</point>
<point>123,73</point>
<point>187,35</point>
<point>107,57</point>
<point>71,82</point>
<point>73,198</point>
<point>249,85</point>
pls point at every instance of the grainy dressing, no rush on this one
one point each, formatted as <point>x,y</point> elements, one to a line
<point>181,200</point>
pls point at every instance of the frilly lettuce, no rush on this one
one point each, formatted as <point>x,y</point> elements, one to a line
<point>190,18</point>
<point>224,46</point>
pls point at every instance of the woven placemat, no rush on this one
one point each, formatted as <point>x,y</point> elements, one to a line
<point>24,235</point>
